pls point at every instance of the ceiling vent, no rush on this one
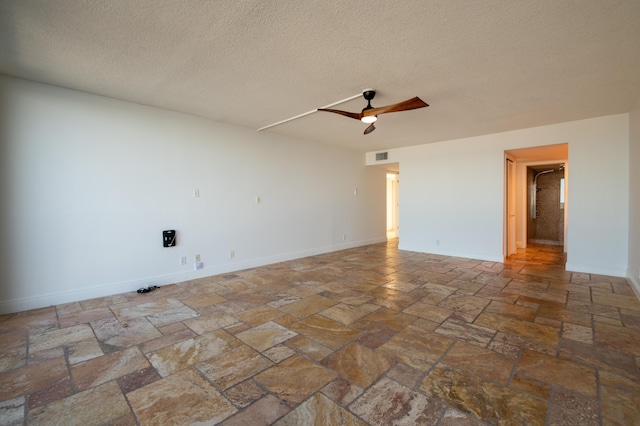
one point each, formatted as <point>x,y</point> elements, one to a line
<point>380,156</point>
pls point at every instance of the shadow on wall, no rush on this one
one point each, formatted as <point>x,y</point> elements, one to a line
<point>5,196</point>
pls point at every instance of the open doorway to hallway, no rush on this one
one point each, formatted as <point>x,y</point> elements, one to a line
<point>393,204</point>
<point>536,197</point>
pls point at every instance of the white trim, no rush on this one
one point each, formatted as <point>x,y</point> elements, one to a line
<point>612,272</point>
<point>109,289</point>
<point>635,284</point>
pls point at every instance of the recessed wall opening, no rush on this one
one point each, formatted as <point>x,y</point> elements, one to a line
<point>393,182</point>
<point>545,201</point>
<point>536,197</point>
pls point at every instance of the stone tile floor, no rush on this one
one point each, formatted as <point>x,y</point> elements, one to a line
<point>370,335</point>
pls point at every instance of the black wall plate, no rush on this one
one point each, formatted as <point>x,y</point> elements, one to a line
<point>169,238</point>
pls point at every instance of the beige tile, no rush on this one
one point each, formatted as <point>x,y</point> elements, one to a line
<point>95,406</point>
<point>358,364</point>
<point>429,312</point>
<point>180,399</point>
<point>553,370</point>
<point>416,348</point>
<point>308,306</point>
<point>29,320</point>
<point>388,402</point>
<point>346,314</point>
<point>544,335</point>
<point>130,310</point>
<point>83,350</point>
<point>481,362</point>
<point>319,410</point>
<point>261,413</point>
<point>511,310</point>
<point>616,300</point>
<point>12,411</point>
<point>384,318</point>
<point>84,317</point>
<point>213,320</point>
<point>12,358</point>
<point>186,353</point>
<point>244,394</point>
<point>619,406</point>
<point>471,333</point>
<point>107,367</point>
<point>578,333</point>
<point>531,386</point>
<point>259,315</point>
<point>34,376</point>
<point>202,301</point>
<point>60,337</point>
<point>486,400</point>
<point>171,316</point>
<point>313,350</point>
<point>464,303</point>
<point>295,379</point>
<point>325,331</point>
<point>342,391</point>
<point>234,366</point>
<point>266,336</point>
<point>622,339</point>
<point>166,340</point>
<point>278,353</point>
<point>117,335</point>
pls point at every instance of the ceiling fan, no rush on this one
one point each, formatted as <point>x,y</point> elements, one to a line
<point>370,114</point>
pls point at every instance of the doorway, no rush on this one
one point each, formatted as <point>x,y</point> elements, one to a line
<point>545,198</point>
<point>393,206</point>
<point>528,162</point>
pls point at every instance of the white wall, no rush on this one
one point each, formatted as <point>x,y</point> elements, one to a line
<point>452,192</point>
<point>89,183</point>
<point>634,197</point>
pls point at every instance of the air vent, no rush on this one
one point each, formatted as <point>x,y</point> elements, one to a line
<point>380,156</point>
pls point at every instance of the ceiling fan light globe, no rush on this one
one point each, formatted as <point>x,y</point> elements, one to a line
<point>369,119</point>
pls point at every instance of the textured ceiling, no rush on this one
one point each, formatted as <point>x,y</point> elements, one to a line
<point>483,66</point>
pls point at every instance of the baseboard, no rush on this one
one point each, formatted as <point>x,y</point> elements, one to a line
<point>103,290</point>
<point>109,289</point>
<point>612,272</point>
<point>635,284</point>
<point>240,265</point>
<point>465,255</point>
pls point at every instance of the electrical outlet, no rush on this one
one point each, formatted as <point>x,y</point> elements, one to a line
<point>258,200</point>
<point>344,237</point>
<point>196,193</point>
<point>183,260</point>
<point>198,259</point>
<point>232,254</point>
<point>437,242</point>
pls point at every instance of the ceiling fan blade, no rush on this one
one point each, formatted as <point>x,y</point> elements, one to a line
<point>413,103</point>
<point>369,129</point>
<point>355,115</point>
